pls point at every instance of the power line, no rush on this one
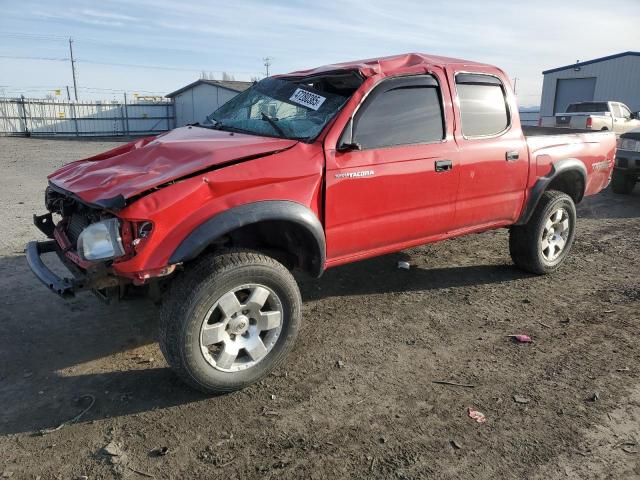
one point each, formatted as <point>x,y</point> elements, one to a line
<point>160,67</point>
<point>54,87</point>
<point>36,36</point>
<point>19,57</point>
<point>132,65</point>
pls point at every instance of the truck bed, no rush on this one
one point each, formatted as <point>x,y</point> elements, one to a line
<point>531,131</point>
<point>595,150</point>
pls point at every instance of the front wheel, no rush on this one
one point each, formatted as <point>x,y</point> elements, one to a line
<point>230,320</point>
<point>622,183</point>
<point>541,245</point>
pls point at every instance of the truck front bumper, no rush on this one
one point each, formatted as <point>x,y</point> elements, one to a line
<point>65,287</point>
<point>628,162</point>
<point>99,281</point>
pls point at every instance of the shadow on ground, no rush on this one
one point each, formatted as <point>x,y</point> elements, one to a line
<point>53,351</point>
<point>52,348</point>
<point>608,205</point>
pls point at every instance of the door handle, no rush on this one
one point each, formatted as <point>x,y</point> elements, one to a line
<point>512,156</point>
<point>443,165</point>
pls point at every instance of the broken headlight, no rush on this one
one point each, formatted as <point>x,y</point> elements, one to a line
<point>101,241</point>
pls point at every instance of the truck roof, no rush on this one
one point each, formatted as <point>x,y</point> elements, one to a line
<point>389,65</point>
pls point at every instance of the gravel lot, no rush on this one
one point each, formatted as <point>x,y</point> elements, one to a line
<point>379,415</point>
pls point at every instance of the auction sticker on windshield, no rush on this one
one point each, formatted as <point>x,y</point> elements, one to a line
<point>307,99</point>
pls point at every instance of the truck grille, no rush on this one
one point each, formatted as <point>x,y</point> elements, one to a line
<point>77,215</point>
<point>77,223</point>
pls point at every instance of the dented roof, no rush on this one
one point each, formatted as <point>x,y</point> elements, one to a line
<point>386,65</point>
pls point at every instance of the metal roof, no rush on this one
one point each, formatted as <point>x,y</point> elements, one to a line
<point>234,85</point>
<point>589,62</point>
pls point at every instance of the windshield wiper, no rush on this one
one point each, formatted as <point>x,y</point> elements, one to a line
<point>272,122</point>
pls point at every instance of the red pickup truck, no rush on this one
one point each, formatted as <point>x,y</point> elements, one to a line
<point>307,171</point>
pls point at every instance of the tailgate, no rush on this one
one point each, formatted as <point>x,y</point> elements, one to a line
<point>571,120</point>
<point>563,120</point>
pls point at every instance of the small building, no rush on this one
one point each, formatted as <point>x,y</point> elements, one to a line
<point>613,78</point>
<point>194,102</point>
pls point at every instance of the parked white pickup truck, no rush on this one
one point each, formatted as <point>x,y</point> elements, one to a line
<point>613,116</point>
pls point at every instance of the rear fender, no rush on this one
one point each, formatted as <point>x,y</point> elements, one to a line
<point>558,169</point>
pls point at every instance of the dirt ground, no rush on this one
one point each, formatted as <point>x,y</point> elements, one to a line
<point>378,416</point>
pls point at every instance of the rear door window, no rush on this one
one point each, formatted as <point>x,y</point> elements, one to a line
<point>400,111</point>
<point>483,105</point>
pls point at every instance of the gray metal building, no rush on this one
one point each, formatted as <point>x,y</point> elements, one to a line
<point>195,101</point>
<point>613,78</point>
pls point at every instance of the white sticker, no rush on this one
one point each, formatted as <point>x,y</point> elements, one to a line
<point>307,99</point>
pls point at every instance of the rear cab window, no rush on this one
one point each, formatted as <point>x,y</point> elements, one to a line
<point>588,107</point>
<point>400,111</point>
<point>484,111</point>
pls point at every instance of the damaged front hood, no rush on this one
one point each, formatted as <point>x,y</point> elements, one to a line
<point>108,179</point>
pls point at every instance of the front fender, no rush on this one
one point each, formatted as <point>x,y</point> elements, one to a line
<point>243,215</point>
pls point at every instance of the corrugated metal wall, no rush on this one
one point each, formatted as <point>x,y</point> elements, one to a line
<point>195,104</point>
<point>617,79</point>
<point>529,117</point>
<point>60,118</point>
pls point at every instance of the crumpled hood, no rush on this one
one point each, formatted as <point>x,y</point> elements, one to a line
<point>141,165</point>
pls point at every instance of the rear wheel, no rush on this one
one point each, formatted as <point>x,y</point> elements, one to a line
<point>230,320</point>
<point>544,242</point>
<point>622,183</point>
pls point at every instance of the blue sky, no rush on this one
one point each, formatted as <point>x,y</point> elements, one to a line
<point>186,37</point>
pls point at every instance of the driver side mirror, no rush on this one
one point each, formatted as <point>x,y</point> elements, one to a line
<point>348,147</point>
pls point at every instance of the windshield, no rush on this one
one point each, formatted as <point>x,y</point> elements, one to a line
<point>588,107</point>
<point>281,108</point>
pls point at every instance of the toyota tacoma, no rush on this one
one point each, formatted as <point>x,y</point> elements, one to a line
<point>307,171</point>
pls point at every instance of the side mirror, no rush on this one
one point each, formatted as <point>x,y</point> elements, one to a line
<point>348,147</point>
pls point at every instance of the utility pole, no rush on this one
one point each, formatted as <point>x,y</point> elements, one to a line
<point>267,63</point>
<point>68,94</point>
<point>73,70</point>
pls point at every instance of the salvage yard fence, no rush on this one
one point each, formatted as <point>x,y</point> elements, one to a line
<point>44,117</point>
<point>49,118</point>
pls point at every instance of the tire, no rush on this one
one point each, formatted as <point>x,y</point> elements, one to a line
<point>622,183</point>
<point>527,242</point>
<point>199,311</point>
